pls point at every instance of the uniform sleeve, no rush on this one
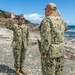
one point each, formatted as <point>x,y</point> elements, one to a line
<point>45,35</point>
<point>27,35</point>
<point>10,24</point>
<point>65,24</point>
<point>66,27</point>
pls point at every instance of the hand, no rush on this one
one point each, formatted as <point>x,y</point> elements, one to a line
<point>43,56</point>
<point>58,13</point>
<point>12,15</point>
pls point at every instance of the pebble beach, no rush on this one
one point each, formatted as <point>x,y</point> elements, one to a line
<point>32,62</point>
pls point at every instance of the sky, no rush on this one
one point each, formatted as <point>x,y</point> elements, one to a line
<point>33,10</point>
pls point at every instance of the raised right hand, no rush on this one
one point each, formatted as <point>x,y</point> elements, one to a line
<point>12,15</point>
<point>58,13</point>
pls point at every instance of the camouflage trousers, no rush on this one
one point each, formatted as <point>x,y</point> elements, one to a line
<point>52,66</point>
<point>19,56</point>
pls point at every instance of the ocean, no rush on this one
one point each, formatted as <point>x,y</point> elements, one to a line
<point>70,32</point>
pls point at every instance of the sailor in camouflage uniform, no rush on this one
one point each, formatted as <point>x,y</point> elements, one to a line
<point>52,30</point>
<point>20,41</point>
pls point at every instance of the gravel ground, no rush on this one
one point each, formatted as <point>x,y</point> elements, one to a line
<point>32,62</point>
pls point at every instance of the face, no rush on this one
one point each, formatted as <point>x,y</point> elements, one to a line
<point>48,12</point>
<point>21,21</point>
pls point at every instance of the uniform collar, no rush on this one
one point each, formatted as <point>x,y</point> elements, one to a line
<point>21,26</point>
<point>52,15</point>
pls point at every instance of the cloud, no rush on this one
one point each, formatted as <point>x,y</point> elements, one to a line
<point>70,23</point>
<point>34,17</point>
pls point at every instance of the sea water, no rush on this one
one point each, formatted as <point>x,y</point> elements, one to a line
<point>70,32</point>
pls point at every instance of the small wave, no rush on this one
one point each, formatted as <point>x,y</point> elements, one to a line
<point>70,33</point>
<point>71,30</point>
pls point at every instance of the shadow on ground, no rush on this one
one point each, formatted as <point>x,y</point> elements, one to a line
<point>6,69</point>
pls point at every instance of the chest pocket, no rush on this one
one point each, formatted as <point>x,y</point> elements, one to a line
<point>25,30</point>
